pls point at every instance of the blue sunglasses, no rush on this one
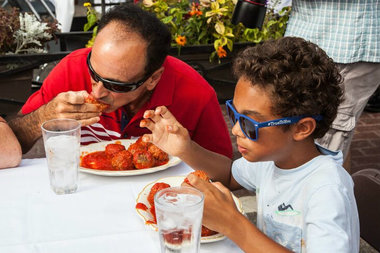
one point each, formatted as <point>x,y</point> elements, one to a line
<point>250,127</point>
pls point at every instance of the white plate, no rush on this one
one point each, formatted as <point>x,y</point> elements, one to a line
<point>174,181</point>
<point>100,146</point>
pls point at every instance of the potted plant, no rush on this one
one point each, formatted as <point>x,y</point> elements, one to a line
<point>22,48</point>
<point>207,22</point>
<point>202,34</point>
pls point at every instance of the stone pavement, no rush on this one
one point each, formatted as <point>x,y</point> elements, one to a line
<point>365,147</point>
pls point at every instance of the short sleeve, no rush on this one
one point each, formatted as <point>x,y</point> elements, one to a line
<point>331,221</point>
<point>249,174</point>
<point>70,74</point>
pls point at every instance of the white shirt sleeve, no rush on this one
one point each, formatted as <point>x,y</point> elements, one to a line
<point>249,174</point>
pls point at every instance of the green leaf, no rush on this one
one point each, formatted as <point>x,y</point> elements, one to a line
<point>219,28</point>
<point>216,44</point>
<point>167,19</point>
<point>230,45</point>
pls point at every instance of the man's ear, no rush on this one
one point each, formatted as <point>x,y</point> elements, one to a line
<point>304,128</point>
<point>155,78</point>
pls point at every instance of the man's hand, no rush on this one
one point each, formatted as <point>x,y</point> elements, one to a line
<point>167,133</point>
<point>71,105</point>
<point>219,205</point>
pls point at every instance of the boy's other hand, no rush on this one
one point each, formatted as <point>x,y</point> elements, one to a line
<point>219,205</point>
<point>167,133</point>
<point>71,105</point>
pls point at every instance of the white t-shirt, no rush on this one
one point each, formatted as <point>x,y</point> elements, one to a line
<point>311,208</point>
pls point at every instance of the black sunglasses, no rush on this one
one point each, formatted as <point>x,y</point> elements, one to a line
<point>112,85</point>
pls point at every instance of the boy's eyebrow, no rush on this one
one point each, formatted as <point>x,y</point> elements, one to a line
<point>251,113</point>
<point>256,114</point>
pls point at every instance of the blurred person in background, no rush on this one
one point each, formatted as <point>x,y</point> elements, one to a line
<point>64,11</point>
<point>349,31</point>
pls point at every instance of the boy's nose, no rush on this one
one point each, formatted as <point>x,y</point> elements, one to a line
<point>236,130</point>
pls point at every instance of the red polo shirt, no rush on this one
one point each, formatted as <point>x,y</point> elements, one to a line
<point>186,94</point>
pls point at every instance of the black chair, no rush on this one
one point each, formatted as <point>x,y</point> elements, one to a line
<point>373,104</point>
<point>367,194</point>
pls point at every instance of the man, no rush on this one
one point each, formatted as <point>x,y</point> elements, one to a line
<point>349,31</point>
<point>128,70</point>
<point>10,150</point>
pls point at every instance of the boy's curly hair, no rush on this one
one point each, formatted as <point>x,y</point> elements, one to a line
<point>300,77</point>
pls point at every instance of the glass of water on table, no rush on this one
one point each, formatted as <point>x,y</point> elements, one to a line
<point>179,213</point>
<point>62,141</point>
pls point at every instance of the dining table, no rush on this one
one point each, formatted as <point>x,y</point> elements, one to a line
<point>99,217</point>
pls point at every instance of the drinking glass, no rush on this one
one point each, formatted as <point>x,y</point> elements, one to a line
<point>179,213</point>
<point>62,141</point>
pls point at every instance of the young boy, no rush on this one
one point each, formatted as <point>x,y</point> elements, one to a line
<point>305,197</point>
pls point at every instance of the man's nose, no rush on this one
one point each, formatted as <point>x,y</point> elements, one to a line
<point>98,90</point>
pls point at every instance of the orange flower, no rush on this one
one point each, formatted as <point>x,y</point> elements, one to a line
<point>195,10</point>
<point>221,52</point>
<point>181,40</point>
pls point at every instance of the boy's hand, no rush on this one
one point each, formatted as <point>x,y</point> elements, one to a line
<point>71,105</point>
<point>167,133</point>
<point>219,205</point>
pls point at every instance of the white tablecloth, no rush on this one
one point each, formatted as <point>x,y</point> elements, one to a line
<point>99,217</point>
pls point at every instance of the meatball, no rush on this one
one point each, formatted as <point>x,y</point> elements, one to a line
<point>122,160</point>
<point>155,188</point>
<point>199,173</point>
<point>160,156</point>
<point>207,232</point>
<point>143,143</point>
<point>143,159</point>
<point>99,104</point>
<point>136,147</point>
<point>112,149</point>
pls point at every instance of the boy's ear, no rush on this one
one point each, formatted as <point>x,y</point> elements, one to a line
<point>153,80</point>
<point>304,128</point>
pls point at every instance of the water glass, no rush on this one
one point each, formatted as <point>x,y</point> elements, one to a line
<point>62,141</point>
<point>179,213</point>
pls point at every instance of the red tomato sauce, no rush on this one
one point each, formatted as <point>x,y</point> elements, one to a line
<point>97,160</point>
<point>150,222</point>
<point>141,206</point>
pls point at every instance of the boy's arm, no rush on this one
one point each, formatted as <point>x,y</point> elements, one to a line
<point>169,135</point>
<point>220,214</point>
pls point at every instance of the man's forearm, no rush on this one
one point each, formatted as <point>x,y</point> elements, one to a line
<point>27,129</point>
